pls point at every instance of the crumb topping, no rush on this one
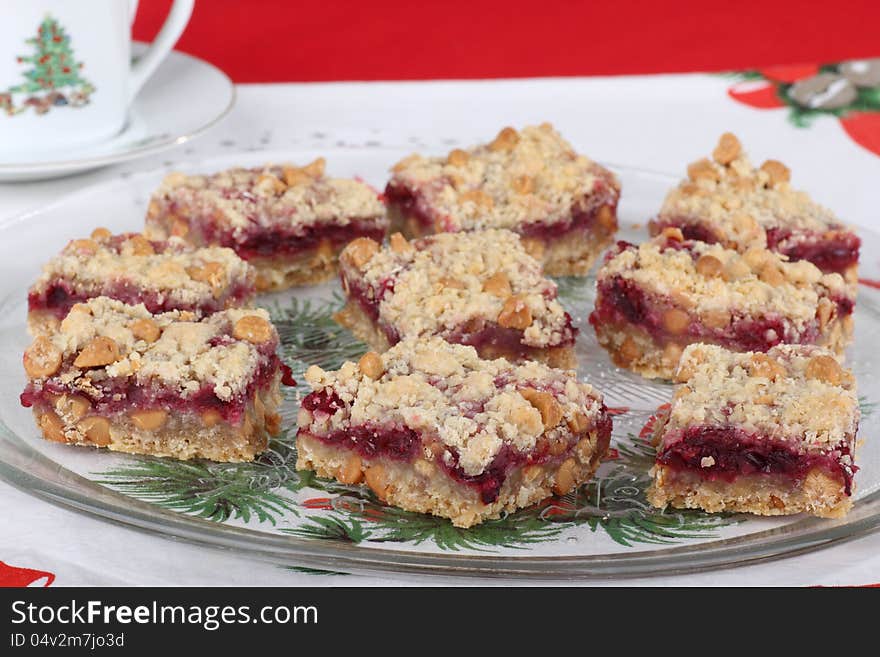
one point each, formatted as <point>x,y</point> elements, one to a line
<point>187,355</point>
<point>707,278</point>
<point>272,196</point>
<point>793,392</point>
<point>533,175</point>
<point>438,284</point>
<point>447,393</point>
<point>743,201</point>
<point>171,268</point>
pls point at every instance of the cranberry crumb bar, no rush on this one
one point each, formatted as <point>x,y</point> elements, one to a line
<point>433,428</point>
<point>163,275</point>
<point>289,222</point>
<point>118,376</point>
<point>729,201</point>
<point>479,288</point>
<point>770,433</point>
<point>656,298</point>
<point>531,182</point>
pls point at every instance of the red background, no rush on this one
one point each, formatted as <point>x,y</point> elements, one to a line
<point>290,40</point>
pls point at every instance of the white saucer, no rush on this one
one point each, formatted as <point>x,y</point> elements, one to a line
<point>182,99</point>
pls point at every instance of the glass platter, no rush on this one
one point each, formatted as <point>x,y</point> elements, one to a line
<point>268,510</point>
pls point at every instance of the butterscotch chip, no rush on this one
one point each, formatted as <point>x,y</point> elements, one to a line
<point>146,329</point>
<point>360,251</point>
<point>546,404</point>
<point>824,368</point>
<point>498,285</point>
<point>294,176</point>
<point>777,171</point>
<point>451,282</point>
<point>87,246</point>
<point>605,217</point>
<point>505,141</point>
<point>149,420</point>
<point>717,319</point>
<point>728,149</point>
<point>96,429</point>
<point>211,417</point>
<point>515,314</point>
<point>675,321</point>
<point>371,365</point>
<point>399,244</point>
<point>735,269</point>
<point>98,352</point>
<point>457,157</point>
<point>376,480</point>
<point>255,330</point>
<point>41,359</point>
<point>73,406</point>
<point>673,234</point>
<point>140,245</point>
<point>565,477</point>
<point>270,184</point>
<point>534,247</point>
<point>629,350</point>
<point>771,275</point>
<point>764,366</point>
<point>351,471</point>
<point>315,169</point>
<point>745,226</point>
<point>479,197</point>
<point>709,265</point>
<point>578,423</point>
<point>100,234</point>
<point>523,184</point>
<point>52,427</point>
<point>702,170</point>
<point>212,273</point>
<point>406,162</point>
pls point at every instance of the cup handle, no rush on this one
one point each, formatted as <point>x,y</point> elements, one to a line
<point>174,25</point>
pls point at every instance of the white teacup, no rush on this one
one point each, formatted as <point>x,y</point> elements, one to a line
<point>66,77</point>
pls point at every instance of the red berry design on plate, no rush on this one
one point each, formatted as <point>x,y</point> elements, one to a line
<point>12,576</point>
<point>864,129</point>
<point>759,94</point>
<point>789,74</point>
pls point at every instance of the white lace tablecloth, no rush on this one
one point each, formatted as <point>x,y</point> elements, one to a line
<point>658,123</point>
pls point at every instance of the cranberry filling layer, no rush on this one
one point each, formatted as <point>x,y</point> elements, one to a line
<point>581,220</point>
<point>835,253</point>
<point>477,333</point>
<point>59,297</point>
<point>403,444</point>
<point>690,231</point>
<point>738,453</point>
<point>621,301</point>
<point>121,397</point>
<point>481,334</point>
<point>267,242</point>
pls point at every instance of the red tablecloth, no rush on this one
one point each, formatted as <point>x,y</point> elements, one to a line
<point>284,41</point>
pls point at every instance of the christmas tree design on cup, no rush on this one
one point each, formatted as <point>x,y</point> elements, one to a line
<point>54,79</point>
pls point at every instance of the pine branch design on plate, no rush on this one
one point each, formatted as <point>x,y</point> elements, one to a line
<point>310,336</point>
<point>614,502</point>
<point>216,491</point>
<point>270,490</point>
